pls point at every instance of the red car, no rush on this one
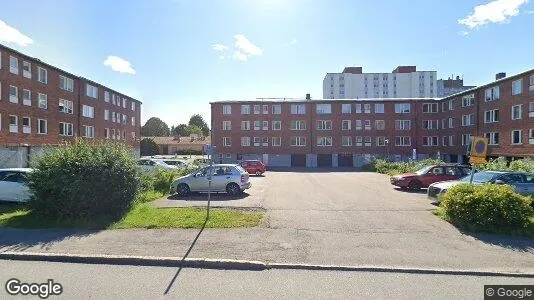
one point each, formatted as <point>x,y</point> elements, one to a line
<point>430,174</point>
<point>253,167</point>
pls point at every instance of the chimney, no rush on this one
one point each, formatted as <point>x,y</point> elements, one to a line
<point>308,97</point>
<point>500,75</point>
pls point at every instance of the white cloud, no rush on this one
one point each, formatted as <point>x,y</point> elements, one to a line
<point>245,48</point>
<point>9,34</point>
<point>292,43</point>
<point>119,64</point>
<point>497,11</point>
<point>463,33</point>
<point>222,57</point>
<point>219,47</point>
<point>530,12</point>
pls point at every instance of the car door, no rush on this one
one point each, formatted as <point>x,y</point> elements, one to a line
<point>433,175</point>
<point>526,186</point>
<point>219,179</point>
<point>4,185</point>
<point>452,173</point>
<point>199,182</point>
<point>513,180</point>
<point>16,187</point>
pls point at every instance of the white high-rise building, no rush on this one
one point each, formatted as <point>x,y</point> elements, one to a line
<point>403,82</point>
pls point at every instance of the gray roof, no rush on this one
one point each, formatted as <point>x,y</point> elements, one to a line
<point>292,100</point>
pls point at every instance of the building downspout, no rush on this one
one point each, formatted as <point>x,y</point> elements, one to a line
<point>78,117</point>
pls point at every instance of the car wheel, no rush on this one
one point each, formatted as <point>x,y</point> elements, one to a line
<point>415,185</point>
<point>258,173</point>
<point>233,189</point>
<point>183,190</point>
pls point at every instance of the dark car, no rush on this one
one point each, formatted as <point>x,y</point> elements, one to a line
<point>430,174</point>
<point>253,167</point>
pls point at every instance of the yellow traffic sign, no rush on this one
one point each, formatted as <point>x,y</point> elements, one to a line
<point>479,147</point>
<point>477,160</point>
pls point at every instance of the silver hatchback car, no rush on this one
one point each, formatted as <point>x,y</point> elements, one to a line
<point>229,178</point>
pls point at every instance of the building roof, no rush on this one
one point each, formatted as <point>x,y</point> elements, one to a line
<point>65,72</point>
<point>179,140</point>
<point>325,100</point>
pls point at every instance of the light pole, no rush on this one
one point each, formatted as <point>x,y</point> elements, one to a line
<point>387,149</point>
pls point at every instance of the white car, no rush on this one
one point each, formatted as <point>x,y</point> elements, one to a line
<point>14,185</point>
<point>150,164</point>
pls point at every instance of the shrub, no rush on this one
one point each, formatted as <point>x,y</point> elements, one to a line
<point>490,207</point>
<point>160,180</point>
<point>84,180</point>
<point>394,168</point>
<point>498,164</point>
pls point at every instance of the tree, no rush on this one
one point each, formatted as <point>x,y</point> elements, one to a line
<point>180,130</point>
<point>193,129</point>
<point>198,121</point>
<point>149,147</point>
<point>155,127</point>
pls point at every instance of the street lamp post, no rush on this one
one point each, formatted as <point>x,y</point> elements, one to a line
<point>387,149</point>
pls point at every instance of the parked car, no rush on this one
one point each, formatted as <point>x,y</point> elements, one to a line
<point>201,161</point>
<point>430,174</point>
<point>253,167</point>
<point>175,162</point>
<point>523,183</point>
<point>229,178</point>
<point>150,164</point>
<point>14,185</point>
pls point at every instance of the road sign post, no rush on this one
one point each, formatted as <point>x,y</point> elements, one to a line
<point>477,155</point>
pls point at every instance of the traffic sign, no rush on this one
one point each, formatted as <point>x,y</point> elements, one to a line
<point>479,147</point>
<point>477,160</point>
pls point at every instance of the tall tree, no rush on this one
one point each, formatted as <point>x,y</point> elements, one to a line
<point>148,147</point>
<point>193,129</point>
<point>155,127</point>
<point>180,130</point>
<point>198,121</point>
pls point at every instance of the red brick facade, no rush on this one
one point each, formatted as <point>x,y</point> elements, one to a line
<point>49,85</point>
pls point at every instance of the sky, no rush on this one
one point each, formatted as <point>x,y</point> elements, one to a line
<point>177,56</point>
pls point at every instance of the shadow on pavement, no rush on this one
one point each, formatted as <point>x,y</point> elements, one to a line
<point>214,197</point>
<point>314,170</point>
<point>518,243</point>
<point>421,191</point>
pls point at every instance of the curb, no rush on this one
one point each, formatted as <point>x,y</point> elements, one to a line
<point>231,264</point>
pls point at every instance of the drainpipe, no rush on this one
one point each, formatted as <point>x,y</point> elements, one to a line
<point>78,114</point>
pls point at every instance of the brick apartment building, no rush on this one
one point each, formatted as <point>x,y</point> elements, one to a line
<point>44,105</point>
<point>350,132</point>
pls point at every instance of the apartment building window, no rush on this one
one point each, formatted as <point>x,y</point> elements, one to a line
<point>445,140</point>
<point>118,136</point>
<point>493,138</point>
<point>227,142</point>
<point>367,124</point>
<point>451,122</point>
<point>265,125</point>
<point>468,100</point>
<point>380,141</point>
<point>531,110</point>
<point>379,108</point>
<point>256,109</point>
<point>265,142</point>
<point>403,141</point>
<point>257,141</point>
<point>67,84</point>
<point>13,65</point>
<point>106,115</point>
<point>65,129</point>
<point>245,109</point>
<point>430,124</point>
<point>276,125</point>
<point>277,109</point>
<point>452,140</point>
<point>298,141</point>
<point>112,134</point>
<point>88,131</point>
<point>367,141</point>
<point>451,104</point>
<point>245,125</point>
<point>42,75</point>
<point>430,108</point>
<point>466,139</point>
<point>403,124</point>
<point>468,120</point>
<point>531,136</point>
<point>133,106</point>
<point>298,125</point>
<point>324,125</point>
<point>42,126</point>
<point>13,94</point>
<point>13,124</point>
<point>266,109</point>
<point>27,69</point>
<point>65,106</point>
<point>133,121</point>
<point>106,96</point>
<point>91,91</point>
<point>359,141</point>
<point>517,137</point>
<point>531,85</point>
<point>345,108</point>
<point>358,108</point>
<point>245,141</point>
<point>227,109</point>
<point>276,141</point>
<point>26,125</point>
<point>43,101</point>
<point>430,141</point>
<point>517,86</point>
<point>26,97</point>
<point>346,141</point>
<point>517,112</point>
<point>492,93</point>
<point>380,125</point>
<point>491,116</point>
<point>298,109</point>
<point>114,99</point>
<point>402,108</point>
<point>88,111</point>
<point>123,102</point>
<point>358,124</point>
<point>367,108</point>
<point>227,125</point>
<point>324,141</point>
<point>443,107</point>
<point>257,125</point>
<point>323,109</point>
<point>345,125</point>
<point>106,133</point>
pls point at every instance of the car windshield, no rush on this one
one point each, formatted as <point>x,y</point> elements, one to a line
<point>240,168</point>
<point>423,170</point>
<point>480,177</point>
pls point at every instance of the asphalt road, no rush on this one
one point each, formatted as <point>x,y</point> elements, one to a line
<point>81,281</point>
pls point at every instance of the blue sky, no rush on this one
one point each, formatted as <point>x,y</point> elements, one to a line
<point>177,56</point>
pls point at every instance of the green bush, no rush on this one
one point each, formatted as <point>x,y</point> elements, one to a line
<point>394,168</point>
<point>490,207</point>
<point>501,164</point>
<point>84,180</point>
<point>161,179</point>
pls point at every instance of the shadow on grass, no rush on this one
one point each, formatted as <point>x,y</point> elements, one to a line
<point>214,197</point>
